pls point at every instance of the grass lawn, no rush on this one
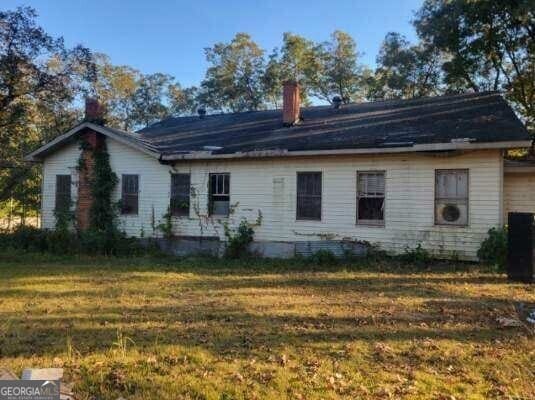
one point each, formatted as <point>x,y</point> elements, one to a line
<point>208,329</point>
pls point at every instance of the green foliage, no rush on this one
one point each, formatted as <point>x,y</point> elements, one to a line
<point>417,256</point>
<point>103,212</point>
<point>239,239</point>
<point>64,220</point>
<point>487,45</point>
<point>166,226</point>
<point>39,78</point>
<point>493,250</point>
<point>405,71</point>
<point>324,258</point>
<point>63,242</point>
<point>233,79</point>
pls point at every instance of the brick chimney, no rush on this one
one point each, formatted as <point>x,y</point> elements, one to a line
<point>93,140</point>
<point>291,103</point>
<point>94,111</point>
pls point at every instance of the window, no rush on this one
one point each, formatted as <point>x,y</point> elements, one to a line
<point>309,196</point>
<point>180,190</point>
<point>451,197</point>
<point>63,192</point>
<point>219,194</point>
<point>371,198</point>
<point>130,194</point>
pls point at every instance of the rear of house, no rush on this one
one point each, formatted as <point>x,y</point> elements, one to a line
<point>394,174</point>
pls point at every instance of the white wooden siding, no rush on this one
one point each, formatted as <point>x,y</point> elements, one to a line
<point>62,162</point>
<point>269,186</point>
<point>519,193</point>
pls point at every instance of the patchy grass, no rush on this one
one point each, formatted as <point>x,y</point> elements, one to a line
<point>210,329</point>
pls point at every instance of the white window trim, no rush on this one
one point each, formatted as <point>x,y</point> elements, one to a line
<point>371,223</point>
<point>468,211</point>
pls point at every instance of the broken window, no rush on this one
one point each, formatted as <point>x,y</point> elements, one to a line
<point>130,194</point>
<point>63,192</point>
<point>180,193</point>
<point>219,191</point>
<point>451,197</point>
<point>371,198</point>
<point>308,196</point>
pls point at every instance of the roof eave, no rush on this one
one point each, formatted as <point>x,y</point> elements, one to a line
<point>39,154</point>
<point>205,155</point>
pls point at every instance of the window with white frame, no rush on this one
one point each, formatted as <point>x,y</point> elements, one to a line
<point>371,198</point>
<point>219,190</point>
<point>451,197</point>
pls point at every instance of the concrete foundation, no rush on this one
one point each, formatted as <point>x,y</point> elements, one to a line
<point>182,246</point>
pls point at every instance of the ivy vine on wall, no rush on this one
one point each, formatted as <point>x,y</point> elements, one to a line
<point>102,181</point>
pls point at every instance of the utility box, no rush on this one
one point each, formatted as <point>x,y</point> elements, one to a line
<point>520,247</point>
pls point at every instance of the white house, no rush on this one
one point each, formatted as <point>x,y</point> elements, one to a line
<point>396,174</point>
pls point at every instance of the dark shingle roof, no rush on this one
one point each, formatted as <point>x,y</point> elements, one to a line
<point>481,117</point>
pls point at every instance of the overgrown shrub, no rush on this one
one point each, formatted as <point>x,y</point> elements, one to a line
<point>493,250</point>
<point>324,257</point>
<point>238,239</point>
<point>417,256</point>
<point>92,242</point>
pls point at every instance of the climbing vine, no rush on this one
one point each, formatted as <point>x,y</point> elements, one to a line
<point>103,211</point>
<point>239,239</point>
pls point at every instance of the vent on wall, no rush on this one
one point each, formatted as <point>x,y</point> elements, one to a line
<point>452,214</point>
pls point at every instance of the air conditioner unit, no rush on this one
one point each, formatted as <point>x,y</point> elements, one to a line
<point>451,214</point>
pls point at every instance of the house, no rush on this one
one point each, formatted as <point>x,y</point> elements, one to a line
<point>398,173</point>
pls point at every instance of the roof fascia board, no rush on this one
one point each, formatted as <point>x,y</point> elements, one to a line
<point>519,170</point>
<point>204,155</point>
<point>34,156</point>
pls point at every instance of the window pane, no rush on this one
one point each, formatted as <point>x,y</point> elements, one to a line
<point>63,192</point>
<point>129,196</point>
<point>309,195</point>
<point>451,197</point>
<point>219,196</point>
<point>371,208</point>
<point>180,194</point>
<point>370,196</point>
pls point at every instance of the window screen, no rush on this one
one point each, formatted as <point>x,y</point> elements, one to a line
<point>180,193</point>
<point>219,194</point>
<point>451,197</point>
<point>63,192</point>
<point>309,195</point>
<point>371,197</point>
<point>130,194</point>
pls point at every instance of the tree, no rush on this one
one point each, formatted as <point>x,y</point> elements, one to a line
<point>115,86</point>
<point>488,45</point>
<point>298,60</point>
<point>233,80</point>
<point>340,74</point>
<point>323,70</point>
<point>149,99</point>
<point>183,101</point>
<point>39,79</point>
<point>405,71</point>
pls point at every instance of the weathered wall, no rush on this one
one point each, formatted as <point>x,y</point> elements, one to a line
<point>269,186</point>
<point>61,162</point>
<point>519,193</point>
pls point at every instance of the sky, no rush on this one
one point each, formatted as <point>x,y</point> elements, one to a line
<point>169,36</point>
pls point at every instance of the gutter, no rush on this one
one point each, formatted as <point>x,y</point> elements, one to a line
<point>207,155</point>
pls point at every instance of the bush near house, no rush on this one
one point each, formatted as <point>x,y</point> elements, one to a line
<point>493,250</point>
<point>64,242</point>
